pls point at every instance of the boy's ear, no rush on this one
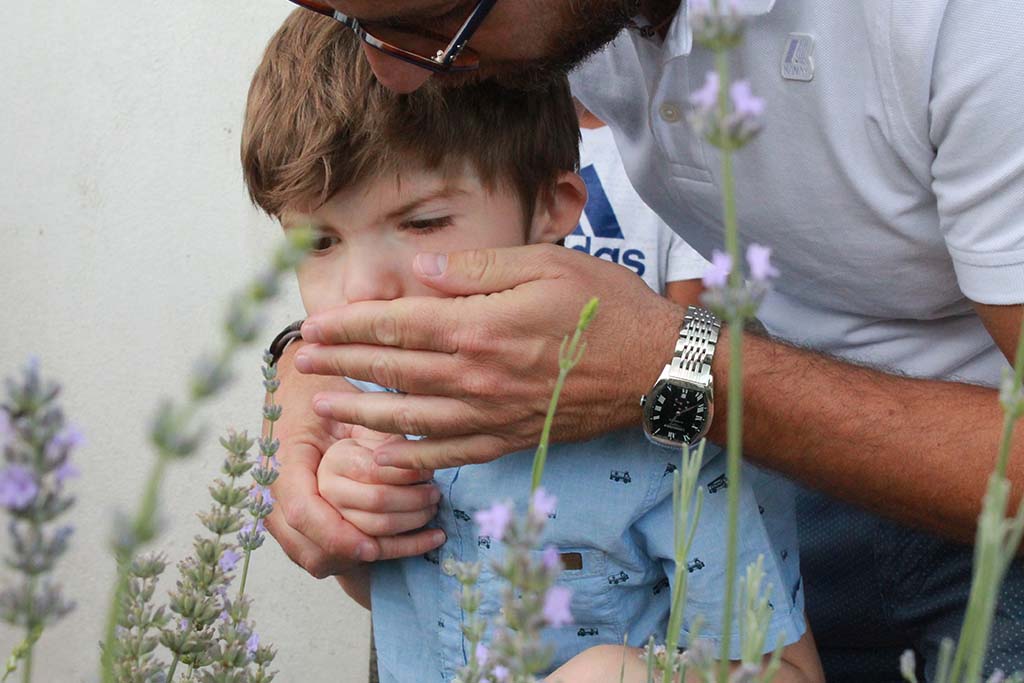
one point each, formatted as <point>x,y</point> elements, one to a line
<point>557,211</point>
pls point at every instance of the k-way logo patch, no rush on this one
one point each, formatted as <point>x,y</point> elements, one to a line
<point>798,57</point>
<point>599,232</point>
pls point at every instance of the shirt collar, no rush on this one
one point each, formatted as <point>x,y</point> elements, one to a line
<point>679,39</point>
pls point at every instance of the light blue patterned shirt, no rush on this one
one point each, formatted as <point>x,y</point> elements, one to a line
<point>614,528</point>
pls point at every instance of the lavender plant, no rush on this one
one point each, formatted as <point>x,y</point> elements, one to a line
<point>530,599</point>
<point>729,115</point>
<point>196,641</point>
<point>36,442</point>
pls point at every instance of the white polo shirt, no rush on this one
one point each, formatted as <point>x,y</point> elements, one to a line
<point>890,185</point>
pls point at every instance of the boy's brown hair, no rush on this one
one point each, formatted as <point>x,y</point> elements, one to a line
<point>317,121</point>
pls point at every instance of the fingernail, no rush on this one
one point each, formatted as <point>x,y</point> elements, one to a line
<point>311,332</point>
<point>431,265</point>
<point>384,459</point>
<point>322,408</point>
<point>366,552</point>
<point>303,363</point>
<point>435,497</point>
<point>438,537</point>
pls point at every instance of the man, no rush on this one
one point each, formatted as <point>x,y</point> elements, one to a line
<point>888,181</point>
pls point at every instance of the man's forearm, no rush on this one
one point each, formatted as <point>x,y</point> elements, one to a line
<point>918,451</point>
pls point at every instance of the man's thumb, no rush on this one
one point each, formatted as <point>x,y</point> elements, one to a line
<point>484,271</point>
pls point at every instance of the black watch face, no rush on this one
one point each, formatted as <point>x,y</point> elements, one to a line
<point>678,413</point>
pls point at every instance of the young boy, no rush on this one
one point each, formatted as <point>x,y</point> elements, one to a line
<point>382,177</point>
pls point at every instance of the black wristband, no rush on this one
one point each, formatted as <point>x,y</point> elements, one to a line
<point>283,339</point>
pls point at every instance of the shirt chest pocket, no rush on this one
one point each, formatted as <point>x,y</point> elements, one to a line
<point>596,585</point>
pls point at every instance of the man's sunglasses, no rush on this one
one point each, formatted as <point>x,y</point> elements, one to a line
<point>428,52</point>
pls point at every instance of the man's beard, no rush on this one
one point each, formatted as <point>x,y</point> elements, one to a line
<point>589,26</point>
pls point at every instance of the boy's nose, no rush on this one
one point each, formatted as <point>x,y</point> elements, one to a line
<point>393,73</point>
<point>373,277</point>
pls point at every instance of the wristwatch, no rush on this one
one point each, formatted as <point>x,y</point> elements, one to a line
<point>679,407</point>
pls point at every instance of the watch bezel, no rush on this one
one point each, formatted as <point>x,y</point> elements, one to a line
<point>705,390</point>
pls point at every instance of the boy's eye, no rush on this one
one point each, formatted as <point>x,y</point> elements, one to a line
<point>324,242</point>
<point>428,224</point>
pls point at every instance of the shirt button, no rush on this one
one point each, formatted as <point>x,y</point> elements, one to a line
<point>670,112</point>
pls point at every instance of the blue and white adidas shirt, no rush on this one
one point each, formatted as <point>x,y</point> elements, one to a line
<point>617,226</point>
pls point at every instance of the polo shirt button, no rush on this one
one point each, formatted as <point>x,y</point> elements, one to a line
<point>670,112</point>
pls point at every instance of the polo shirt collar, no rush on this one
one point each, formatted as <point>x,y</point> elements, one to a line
<point>679,39</point>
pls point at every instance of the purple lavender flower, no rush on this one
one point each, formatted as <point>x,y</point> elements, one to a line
<point>705,99</point>
<point>228,560</point>
<point>550,558</point>
<point>543,504</point>
<point>257,527</point>
<point>758,258</point>
<point>18,487</point>
<point>494,520</point>
<point>66,472</point>
<point>262,493</point>
<point>717,274</point>
<point>556,606</point>
<point>500,673</point>
<point>744,103</point>
<point>69,438</point>
<point>252,644</point>
<point>482,653</point>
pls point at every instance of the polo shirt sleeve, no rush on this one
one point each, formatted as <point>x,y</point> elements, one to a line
<point>977,131</point>
<point>706,561</point>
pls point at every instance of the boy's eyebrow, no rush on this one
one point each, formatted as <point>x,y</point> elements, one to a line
<point>441,193</point>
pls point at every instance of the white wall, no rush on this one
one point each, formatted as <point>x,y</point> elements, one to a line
<point>123,226</point>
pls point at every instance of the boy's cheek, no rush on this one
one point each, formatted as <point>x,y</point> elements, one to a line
<point>317,292</point>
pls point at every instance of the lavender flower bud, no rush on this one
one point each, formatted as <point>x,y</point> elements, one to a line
<point>209,376</point>
<point>908,666</point>
<point>264,476</point>
<point>243,322</point>
<point>18,487</point>
<point>1011,396</point>
<point>272,412</point>
<point>148,566</point>
<point>269,447</point>
<point>237,443</point>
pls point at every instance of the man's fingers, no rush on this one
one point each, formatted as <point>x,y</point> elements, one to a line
<point>398,413</point>
<point>346,548</point>
<point>344,493</point>
<point>424,323</point>
<point>485,271</point>
<point>385,365</point>
<point>409,545</point>
<point>438,453</point>
<point>374,524</point>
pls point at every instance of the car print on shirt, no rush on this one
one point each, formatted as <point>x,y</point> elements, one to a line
<point>616,579</point>
<point>483,542</point>
<point>669,469</point>
<point>694,565</point>
<point>432,557</point>
<point>718,483</point>
<point>621,476</point>
<point>462,515</point>
<point>660,586</point>
<point>584,632</point>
